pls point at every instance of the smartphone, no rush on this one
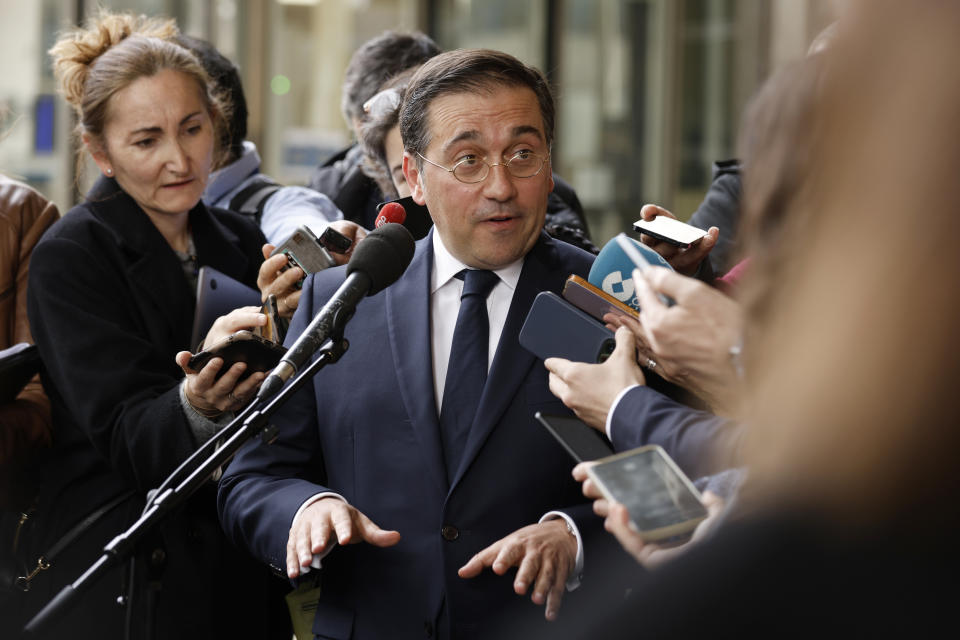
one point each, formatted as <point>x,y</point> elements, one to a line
<point>258,353</point>
<point>669,230</point>
<point>334,241</point>
<point>594,301</point>
<point>581,441</point>
<point>303,249</point>
<point>554,328</point>
<point>661,500</point>
<point>640,261</point>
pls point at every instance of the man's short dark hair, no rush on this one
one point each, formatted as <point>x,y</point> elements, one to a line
<point>227,86</point>
<point>467,71</point>
<point>376,61</point>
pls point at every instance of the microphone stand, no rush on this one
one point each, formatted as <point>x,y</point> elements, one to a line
<point>252,421</point>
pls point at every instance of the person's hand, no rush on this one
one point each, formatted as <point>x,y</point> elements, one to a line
<point>282,284</point>
<point>545,554</point>
<point>352,230</point>
<point>330,521</point>
<point>238,319</point>
<point>590,389</point>
<point>683,260</point>
<point>211,395</point>
<point>652,555</point>
<point>617,522</point>
<point>688,343</point>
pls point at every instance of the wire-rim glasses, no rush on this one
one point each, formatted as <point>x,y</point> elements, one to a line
<point>472,169</point>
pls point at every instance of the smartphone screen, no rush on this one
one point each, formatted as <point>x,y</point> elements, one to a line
<point>661,500</point>
<point>669,230</point>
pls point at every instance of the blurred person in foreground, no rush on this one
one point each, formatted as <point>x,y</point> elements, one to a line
<point>418,496</point>
<point>111,305</point>
<point>846,525</point>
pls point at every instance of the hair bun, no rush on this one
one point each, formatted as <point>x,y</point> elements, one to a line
<point>77,50</point>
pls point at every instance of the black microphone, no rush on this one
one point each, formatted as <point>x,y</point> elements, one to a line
<point>377,262</point>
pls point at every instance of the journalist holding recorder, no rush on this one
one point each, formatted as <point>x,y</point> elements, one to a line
<point>111,307</point>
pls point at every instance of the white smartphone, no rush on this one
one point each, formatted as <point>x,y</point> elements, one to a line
<point>669,230</point>
<point>641,262</point>
<point>661,500</point>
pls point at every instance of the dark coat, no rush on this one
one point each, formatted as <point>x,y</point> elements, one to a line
<point>109,307</point>
<point>368,429</point>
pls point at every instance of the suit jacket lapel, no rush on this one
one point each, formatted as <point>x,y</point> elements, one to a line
<point>510,364</point>
<point>408,326</point>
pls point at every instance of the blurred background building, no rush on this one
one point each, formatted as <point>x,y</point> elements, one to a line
<point>650,92</point>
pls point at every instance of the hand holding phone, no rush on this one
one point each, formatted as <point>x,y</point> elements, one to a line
<point>660,499</point>
<point>665,228</point>
<point>304,250</point>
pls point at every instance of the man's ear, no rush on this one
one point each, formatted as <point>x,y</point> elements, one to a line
<point>414,178</point>
<point>98,153</point>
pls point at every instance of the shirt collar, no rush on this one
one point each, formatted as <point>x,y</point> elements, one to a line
<point>225,179</point>
<point>445,267</point>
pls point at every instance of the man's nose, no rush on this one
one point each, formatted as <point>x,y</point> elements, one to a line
<point>499,183</point>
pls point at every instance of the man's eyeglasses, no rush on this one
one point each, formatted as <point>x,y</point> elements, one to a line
<point>472,169</point>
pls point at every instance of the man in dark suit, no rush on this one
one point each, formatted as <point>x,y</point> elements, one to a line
<point>404,431</point>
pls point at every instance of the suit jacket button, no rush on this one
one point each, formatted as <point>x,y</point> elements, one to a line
<point>449,533</point>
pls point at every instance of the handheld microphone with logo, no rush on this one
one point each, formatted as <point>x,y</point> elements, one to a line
<point>612,271</point>
<point>390,212</point>
<point>377,262</point>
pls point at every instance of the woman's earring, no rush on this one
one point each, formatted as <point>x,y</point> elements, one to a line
<point>109,172</point>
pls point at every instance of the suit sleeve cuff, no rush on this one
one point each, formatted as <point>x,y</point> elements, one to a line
<point>613,408</point>
<point>315,563</point>
<point>573,580</point>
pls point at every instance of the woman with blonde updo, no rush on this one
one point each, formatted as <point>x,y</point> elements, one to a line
<point>111,307</point>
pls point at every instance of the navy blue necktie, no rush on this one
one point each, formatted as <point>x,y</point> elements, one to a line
<point>467,367</point>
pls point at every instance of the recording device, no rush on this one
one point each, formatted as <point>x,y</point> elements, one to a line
<point>554,328</point>
<point>416,219</point>
<point>307,251</point>
<point>259,353</point>
<point>390,212</point>
<point>630,249</point>
<point>612,271</point>
<point>661,500</point>
<point>672,231</point>
<point>18,364</point>
<point>334,241</point>
<point>580,440</point>
<point>376,263</point>
<point>594,301</point>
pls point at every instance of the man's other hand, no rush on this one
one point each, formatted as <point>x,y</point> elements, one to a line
<point>545,554</point>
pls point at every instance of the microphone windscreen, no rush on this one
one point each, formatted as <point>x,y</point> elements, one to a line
<point>612,271</point>
<point>383,255</point>
<point>390,212</point>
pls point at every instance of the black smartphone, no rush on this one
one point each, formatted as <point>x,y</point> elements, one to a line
<point>669,230</point>
<point>259,354</point>
<point>334,241</point>
<point>303,249</point>
<point>661,500</point>
<point>580,440</point>
<point>556,328</point>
